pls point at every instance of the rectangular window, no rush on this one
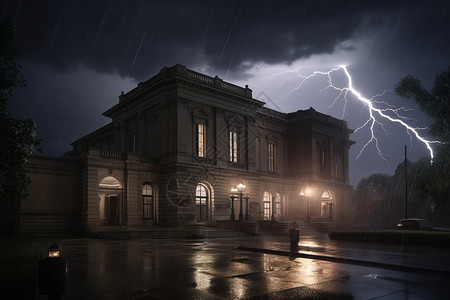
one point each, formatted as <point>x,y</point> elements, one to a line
<point>278,210</point>
<point>201,140</point>
<point>233,146</point>
<point>272,157</point>
<point>266,210</point>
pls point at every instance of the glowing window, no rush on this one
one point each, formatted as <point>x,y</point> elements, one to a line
<point>110,182</point>
<point>267,206</point>
<point>201,202</point>
<point>234,146</point>
<point>201,140</point>
<point>272,157</point>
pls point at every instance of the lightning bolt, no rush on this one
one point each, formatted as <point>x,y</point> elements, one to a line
<point>376,114</point>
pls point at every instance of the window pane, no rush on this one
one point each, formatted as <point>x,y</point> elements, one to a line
<point>233,146</point>
<point>272,157</point>
<point>147,201</point>
<point>147,190</point>
<point>201,202</point>
<point>266,206</point>
<point>201,138</point>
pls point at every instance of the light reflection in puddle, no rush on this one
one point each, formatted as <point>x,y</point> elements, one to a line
<point>202,280</point>
<point>237,288</point>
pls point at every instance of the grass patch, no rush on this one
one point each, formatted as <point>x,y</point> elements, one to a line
<point>406,237</point>
<point>18,276</point>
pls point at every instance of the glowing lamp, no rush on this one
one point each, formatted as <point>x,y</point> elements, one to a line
<point>54,251</point>
<point>241,186</point>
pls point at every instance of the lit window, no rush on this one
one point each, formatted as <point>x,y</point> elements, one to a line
<point>272,157</point>
<point>277,206</point>
<point>266,206</point>
<point>147,201</point>
<point>201,140</point>
<point>233,146</point>
<point>201,202</point>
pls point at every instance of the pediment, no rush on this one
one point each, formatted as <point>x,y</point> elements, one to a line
<point>234,119</point>
<point>199,113</point>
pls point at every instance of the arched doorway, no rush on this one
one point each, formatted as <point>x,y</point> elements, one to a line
<point>111,206</point>
<point>326,205</point>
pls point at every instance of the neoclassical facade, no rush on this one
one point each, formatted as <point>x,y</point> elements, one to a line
<point>184,147</point>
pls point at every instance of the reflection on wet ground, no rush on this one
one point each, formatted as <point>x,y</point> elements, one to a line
<point>215,269</point>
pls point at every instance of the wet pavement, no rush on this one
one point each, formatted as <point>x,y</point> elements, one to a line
<point>215,268</point>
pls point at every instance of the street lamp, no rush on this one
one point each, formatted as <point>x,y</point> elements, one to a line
<point>241,188</point>
<point>308,196</point>
<point>54,251</point>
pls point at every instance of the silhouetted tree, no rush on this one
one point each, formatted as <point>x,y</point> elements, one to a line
<point>368,196</point>
<point>431,182</point>
<point>435,103</point>
<point>17,137</point>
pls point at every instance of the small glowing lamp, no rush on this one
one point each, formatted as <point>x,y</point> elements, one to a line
<point>306,192</point>
<point>234,189</point>
<point>241,186</point>
<point>54,251</point>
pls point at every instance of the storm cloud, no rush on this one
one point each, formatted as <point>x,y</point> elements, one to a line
<point>77,56</point>
<point>136,38</point>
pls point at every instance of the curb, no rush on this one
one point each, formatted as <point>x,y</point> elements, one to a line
<point>351,261</point>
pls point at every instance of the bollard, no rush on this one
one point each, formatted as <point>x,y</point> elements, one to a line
<point>52,273</point>
<point>294,237</point>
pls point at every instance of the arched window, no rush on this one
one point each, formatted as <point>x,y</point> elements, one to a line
<point>201,202</point>
<point>267,206</point>
<point>147,201</point>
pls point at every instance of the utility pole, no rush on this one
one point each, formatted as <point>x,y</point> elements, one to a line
<point>406,185</point>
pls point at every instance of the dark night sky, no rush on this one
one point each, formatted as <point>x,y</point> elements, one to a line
<point>77,56</point>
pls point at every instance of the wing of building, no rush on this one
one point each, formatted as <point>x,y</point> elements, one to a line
<point>184,147</point>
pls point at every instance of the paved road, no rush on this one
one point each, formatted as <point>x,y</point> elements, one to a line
<point>215,269</point>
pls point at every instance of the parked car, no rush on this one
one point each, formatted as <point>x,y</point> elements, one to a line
<point>414,224</point>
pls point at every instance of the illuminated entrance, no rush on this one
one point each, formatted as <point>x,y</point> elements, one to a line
<point>110,201</point>
<point>326,205</point>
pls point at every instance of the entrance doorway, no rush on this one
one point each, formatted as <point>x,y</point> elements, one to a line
<point>111,206</point>
<point>326,205</point>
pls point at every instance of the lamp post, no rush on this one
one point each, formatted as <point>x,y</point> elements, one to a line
<point>308,196</point>
<point>307,193</point>
<point>240,188</point>
<point>233,190</point>
<point>246,208</point>
<point>52,273</point>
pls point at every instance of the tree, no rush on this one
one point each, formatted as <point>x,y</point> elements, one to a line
<point>435,103</point>
<point>368,196</point>
<point>431,182</point>
<point>17,137</point>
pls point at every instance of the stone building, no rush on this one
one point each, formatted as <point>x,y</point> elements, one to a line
<point>184,147</point>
